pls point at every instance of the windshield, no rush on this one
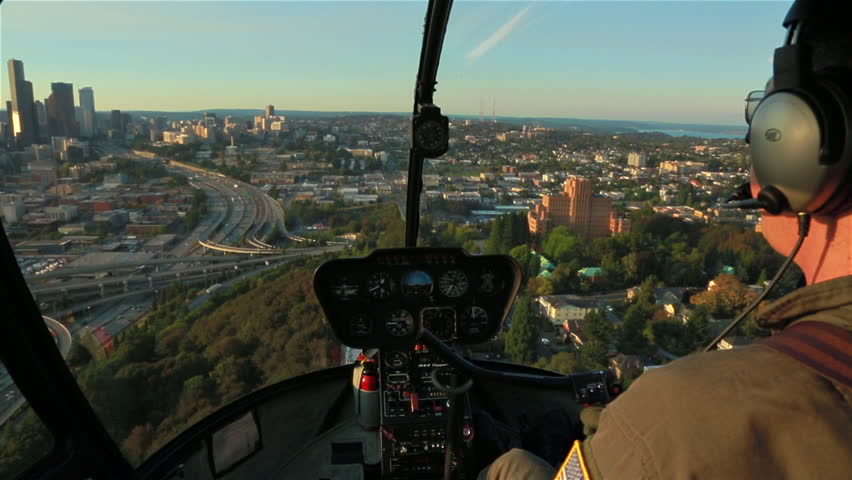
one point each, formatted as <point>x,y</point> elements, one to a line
<point>174,174</point>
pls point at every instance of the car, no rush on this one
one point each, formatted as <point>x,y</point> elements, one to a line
<point>545,341</point>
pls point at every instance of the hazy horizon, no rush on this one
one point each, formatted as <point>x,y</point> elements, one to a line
<point>680,62</point>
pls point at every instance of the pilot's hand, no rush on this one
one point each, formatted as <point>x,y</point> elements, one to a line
<point>590,416</point>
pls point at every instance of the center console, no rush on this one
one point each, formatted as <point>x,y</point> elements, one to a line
<point>415,413</point>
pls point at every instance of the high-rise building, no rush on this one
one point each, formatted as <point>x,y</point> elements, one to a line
<point>577,208</point>
<point>87,106</point>
<point>637,160</point>
<point>270,111</point>
<point>209,119</point>
<point>115,120</point>
<point>41,120</point>
<point>9,115</point>
<point>60,111</point>
<point>126,120</point>
<point>23,116</point>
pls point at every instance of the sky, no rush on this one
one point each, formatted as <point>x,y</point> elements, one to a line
<point>675,61</point>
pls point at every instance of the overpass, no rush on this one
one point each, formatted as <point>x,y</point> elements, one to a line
<point>70,271</point>
<point>149,278</point>
<point>153,280</point>
<point>229,249</point>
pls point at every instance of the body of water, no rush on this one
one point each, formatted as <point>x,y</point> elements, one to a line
<point>695,133</point>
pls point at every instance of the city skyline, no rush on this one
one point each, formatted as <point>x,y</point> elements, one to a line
<point>723,51</point>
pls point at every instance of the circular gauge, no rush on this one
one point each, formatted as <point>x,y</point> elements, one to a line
<point>379,285</point>
<point>489,282</point>
<point>359,325</point>
<point>453,284</point>
<point>344,288</point>
<point>399,323</point>
<point>440,321</point>
<point>396,359</point>
<point>474,321</point>
<point>417,283</point>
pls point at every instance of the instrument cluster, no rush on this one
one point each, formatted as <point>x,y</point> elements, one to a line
<point>388,297</point>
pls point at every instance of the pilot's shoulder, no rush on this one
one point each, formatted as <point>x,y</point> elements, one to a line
<point>717,375</point>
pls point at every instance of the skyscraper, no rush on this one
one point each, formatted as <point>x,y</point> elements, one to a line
<point>24,126</point>
<point>60,111</point>
<point>41,117</point>
<point>270,111</point>
<point>87,106</point>
<point>9,113</point>
<point>115,120</point>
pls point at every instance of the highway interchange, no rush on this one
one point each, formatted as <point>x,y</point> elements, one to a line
<point>239,218</point>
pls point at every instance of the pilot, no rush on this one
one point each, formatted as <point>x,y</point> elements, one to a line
<point>781,408</point>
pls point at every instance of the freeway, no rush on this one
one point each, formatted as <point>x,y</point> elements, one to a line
<point>149,279</point>
<point>112,267</point>
<point>10,398</point>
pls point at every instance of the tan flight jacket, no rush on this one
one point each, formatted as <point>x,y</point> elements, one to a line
<point>749,413</point>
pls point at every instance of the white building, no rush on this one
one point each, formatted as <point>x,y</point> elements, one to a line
<point>637,160</point>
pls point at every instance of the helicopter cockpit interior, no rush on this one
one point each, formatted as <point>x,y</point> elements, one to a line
<point>410,403</point>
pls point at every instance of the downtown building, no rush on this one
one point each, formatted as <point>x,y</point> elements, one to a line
<point>576,207</point>
<point>88,127</point>
<point>23,117</point>
<point>61,121</point>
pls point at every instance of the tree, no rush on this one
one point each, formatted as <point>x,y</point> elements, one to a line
<point>526,260</point>
<point>274,193</point>
<point>727,296</point>
<point>562,362</point>
<point>597,327</point>
<point>522,335</point>
<point>631,339</point>
<point>593,355</point>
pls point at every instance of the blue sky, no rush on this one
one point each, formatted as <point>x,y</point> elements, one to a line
<point>665,61</point>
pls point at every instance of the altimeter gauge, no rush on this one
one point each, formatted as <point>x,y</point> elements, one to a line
<point>453,284</point>
<point>379,285</point>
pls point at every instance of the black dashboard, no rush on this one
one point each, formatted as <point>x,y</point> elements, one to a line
<point>388,297</point>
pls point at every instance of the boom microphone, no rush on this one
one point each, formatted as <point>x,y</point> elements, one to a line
<point>750,204</point>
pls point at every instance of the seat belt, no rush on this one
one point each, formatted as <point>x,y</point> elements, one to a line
<point>825,348</point>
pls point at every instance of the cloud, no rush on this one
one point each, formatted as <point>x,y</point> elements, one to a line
<point>498,36</point>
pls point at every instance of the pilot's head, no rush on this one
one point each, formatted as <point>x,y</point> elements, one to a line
<point>801,139</point>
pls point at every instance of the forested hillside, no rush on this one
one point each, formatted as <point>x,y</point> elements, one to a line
<point>177,366</point>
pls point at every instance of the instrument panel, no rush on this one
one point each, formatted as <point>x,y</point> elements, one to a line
<point>388,297</point>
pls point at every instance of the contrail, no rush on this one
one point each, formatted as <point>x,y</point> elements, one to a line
<point>498,35</point>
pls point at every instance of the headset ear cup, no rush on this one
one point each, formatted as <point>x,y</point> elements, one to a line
<point>785,140</point>
<point>836,84</point>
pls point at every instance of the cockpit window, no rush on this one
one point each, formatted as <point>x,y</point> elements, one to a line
<point>180,171</point>
<point>593,142</point>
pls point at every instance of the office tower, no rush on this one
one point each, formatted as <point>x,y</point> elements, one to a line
<point>9,114</point>
<point>209,120</point>
<point>126,120</point>
<point>60,111</point>
<point>24,126</point>
<point>41,120</point>
<point>270,111</point>
<point>87,106</point>
<point>576,207</point>
<point>115,120</point>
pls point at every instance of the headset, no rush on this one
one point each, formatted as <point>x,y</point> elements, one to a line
<point>800,136</point>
